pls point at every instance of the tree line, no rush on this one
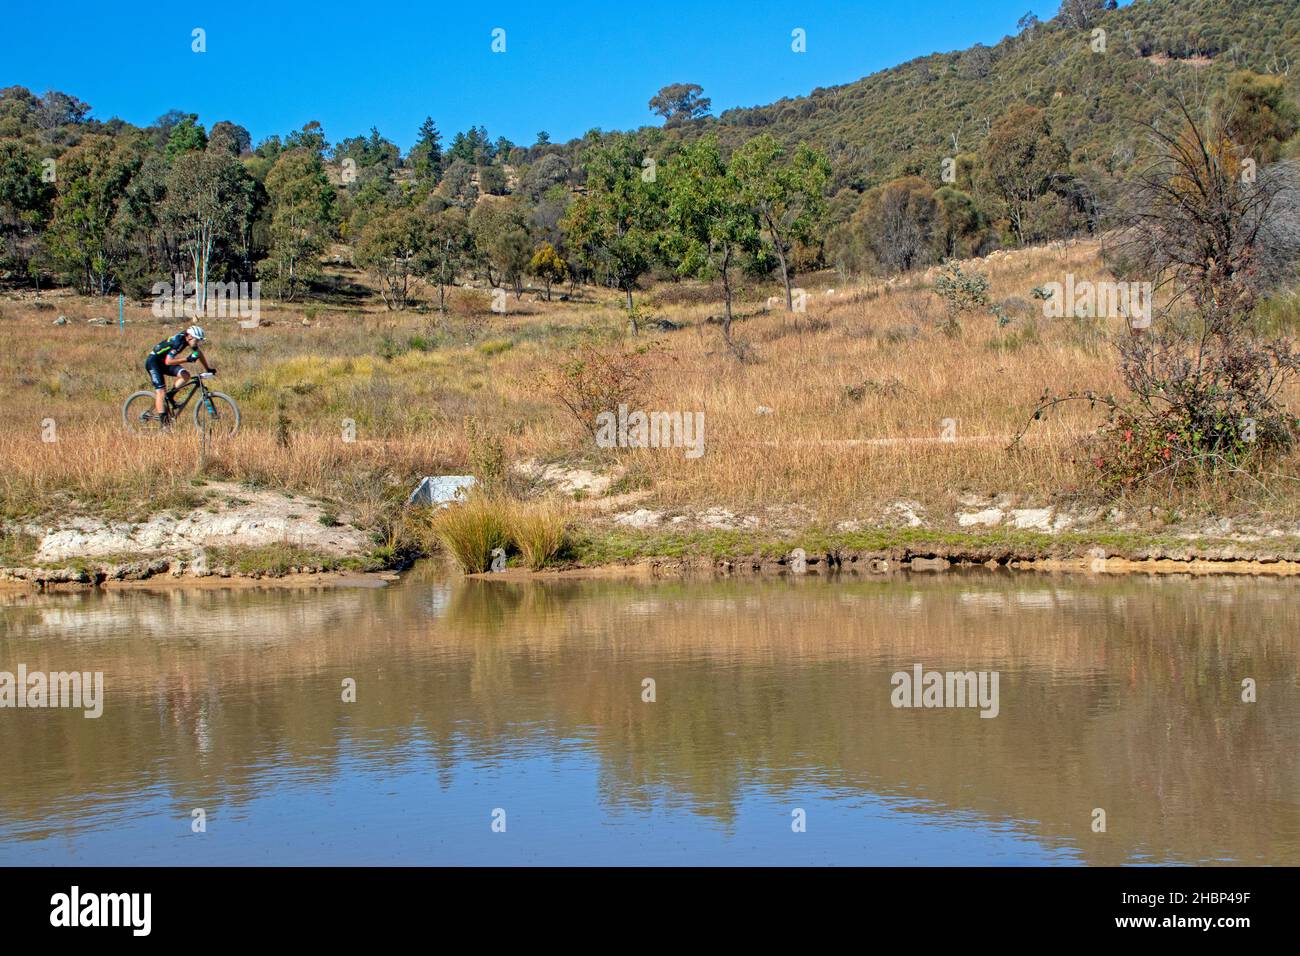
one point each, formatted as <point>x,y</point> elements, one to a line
<point>105,206</point>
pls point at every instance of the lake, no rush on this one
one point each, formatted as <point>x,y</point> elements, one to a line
<point>630,721</point>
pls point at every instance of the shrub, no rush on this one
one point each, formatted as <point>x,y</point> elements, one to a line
<point>593,380</point>
<point>961,291</point>
<point>487,456</point>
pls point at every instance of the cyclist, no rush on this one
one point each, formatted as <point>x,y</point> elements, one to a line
<point>167,359</point>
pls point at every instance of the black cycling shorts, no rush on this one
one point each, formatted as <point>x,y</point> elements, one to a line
<point>159,370</point>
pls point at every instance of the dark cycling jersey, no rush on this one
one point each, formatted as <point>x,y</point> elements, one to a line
<point>158,369</point>
<point>174,346</point>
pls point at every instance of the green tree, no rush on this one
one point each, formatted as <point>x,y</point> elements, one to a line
<point>711,223</point>
<point>187,136</point>
<point>302,217</point>
<point>492,180</point>
<point>1257,115</point>
<point>25,206</point>
<point>84,240</point>
<point>1020,161</point>
<point>960,223</point>
<point>501,239</point>
<point>311,137</point>
<point>232,137</point>
<point>426,154</point>
<point>209,206</point>
<point>679,102</point>
<point>457,186</point>
<point>472,147</point>
<point>389,248</point>
<point>614,225</point>
<point>547,265</point>
<point>447,248</point>
<point>787,192</point>
<point>898,220</point>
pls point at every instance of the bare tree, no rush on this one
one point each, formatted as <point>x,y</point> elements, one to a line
<point>1200,220</point>
<point>1212,233</point>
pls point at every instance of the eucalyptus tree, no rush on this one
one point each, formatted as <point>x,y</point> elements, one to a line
<point>209,205</point>
<point>302,218</point>
<point>788,192</point>
<point>446,248</point>
<point>84,238</point>
<point>614,227</point>
<point>711,224</point>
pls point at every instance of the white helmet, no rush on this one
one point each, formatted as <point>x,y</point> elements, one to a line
<point>195,332</point>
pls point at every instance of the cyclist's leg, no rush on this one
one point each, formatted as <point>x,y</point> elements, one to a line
<point>158,379</point>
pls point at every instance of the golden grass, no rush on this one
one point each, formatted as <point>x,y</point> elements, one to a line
<point>860,388</point>
<point>539,529</point>
<point>470,531</point>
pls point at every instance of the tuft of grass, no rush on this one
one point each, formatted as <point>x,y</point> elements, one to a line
<point>540,530</point>
<point>270,560</point>
<point>470,532</point>
<point>16,547</point>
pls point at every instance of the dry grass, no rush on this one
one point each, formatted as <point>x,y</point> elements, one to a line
<point>859,387</point>
<point>472,530</point>
<point>539,529</point>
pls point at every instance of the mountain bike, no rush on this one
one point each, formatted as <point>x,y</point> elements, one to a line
<point>215,413</point>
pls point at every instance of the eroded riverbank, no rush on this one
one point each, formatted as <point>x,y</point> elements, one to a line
<point>600,552</point>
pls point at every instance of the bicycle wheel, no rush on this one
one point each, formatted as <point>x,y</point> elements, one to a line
<point>219,421</point>
<point>138,414</point>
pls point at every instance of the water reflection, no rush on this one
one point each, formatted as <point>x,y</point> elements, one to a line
<point>1123,694</point>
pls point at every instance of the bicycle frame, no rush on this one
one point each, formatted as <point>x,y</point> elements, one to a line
<point>195,384</point>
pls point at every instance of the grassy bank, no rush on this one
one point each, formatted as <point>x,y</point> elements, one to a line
<point>839,411</point>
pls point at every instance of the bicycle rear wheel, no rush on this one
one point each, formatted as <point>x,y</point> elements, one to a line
<point>138,414</point>
<point>217,415</point>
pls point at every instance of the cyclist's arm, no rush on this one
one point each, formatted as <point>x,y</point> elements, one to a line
<point>177,359</point>
<point>203,359</point>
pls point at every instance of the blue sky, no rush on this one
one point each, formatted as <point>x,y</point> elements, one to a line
<point>568,66</point>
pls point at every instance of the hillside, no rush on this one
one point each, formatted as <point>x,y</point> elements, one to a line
<point>903,120</point>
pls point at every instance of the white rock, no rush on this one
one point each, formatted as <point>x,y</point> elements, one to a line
<point>905,511</point>
<point>1037,518</point>
<point>641,518</point>
<point>259,518</point>
<point>989,516</point>
<point>440,489</point>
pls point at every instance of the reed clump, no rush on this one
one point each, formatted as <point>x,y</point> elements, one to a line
<point>537,531</point>
<point>540,530</point>
<point>472,530</point>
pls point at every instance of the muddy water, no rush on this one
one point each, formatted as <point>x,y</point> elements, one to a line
<point>772,737</point>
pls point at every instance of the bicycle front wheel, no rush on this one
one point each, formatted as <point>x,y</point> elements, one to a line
<point>217,414</point>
